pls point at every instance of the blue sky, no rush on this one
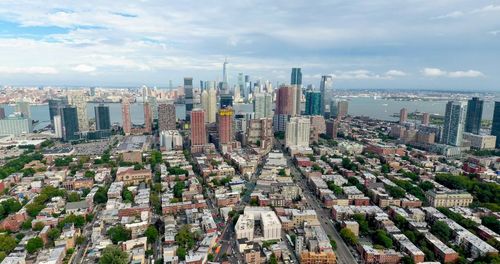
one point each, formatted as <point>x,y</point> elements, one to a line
<point>413,44</point>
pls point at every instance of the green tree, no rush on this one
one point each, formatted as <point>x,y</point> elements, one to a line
<point>333,244</point>
<point>426,185</point>
<point>89,174</point>
<point>210,257</point>
<point>185,238</point>
<point>441,230</point>
<point>127,196</point>
<point>7,243</point>
<point>151,233</point>
<point>101,196</point>
<point>395,191</point>
<point>73,197</point>
<point>38,226</point>
<point>119,233</point>
<point>272,259</point>
<point>34,244</point>
<point>54,234</point>
<point>181,253</point>
<point>385,168</point>
<point>382,239</point>
<point>11,206</point>
<point>179,189</point>
<point>348,236</point>
<point>113,255</point>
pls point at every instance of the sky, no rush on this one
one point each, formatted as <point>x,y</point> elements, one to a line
<point>411,44</point>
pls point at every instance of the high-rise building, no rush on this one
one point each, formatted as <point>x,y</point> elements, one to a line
<point>198,131</point>
<point>15,125</point>
<point>285,100</point>
<point>24,108</point>
<point>342,109</point>
<point>212,105</point>
<point>225,126</point>
<point>153,104</point>
<point>58,126</point>
<point>126,122</point>
<point>296,82</point>
<point>403,115</point>
<point>333,109</point>
<point>188,93</point>
<point>325,89</point>
<point>426,119</point>
<point>495,128</point>
<point>55,106</point>
<point>204,103</point>
<point>2,113</point>
<point>166,117</point>
<point>148,119</point>
<point>92,91</point>
<point>332,127</point>
<point>474,114</point>
<point>241,85</point>
<point>297,132</point>
<point>102,119</point>
<point>80,102</point>
<point>263,105</point>
<point>454,122</point>
<point>70,123</point>
<point>313,103</point>
<point>225,82</point>
<point>226,100</point>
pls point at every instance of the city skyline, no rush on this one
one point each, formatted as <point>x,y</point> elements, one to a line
<point>430,46</point>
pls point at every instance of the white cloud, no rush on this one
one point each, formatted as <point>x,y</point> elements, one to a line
<point>488,8</point>
<point>465,74</point>
<point>28,70</point>
<point>495,32</point>
<point>435,72</point>
<point>84,68</point>
<point>395,73</point>
<point>453,14</point>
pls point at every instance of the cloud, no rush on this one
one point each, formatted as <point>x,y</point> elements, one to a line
<point>435,72</point>
<point>495,32</point>
<point>465,74</point>
<point>359,75</point>
<point>395,73</point>
<point>84,68</point>
<point>28,70</point>
<point>453,14</point>
<point>488,8</point>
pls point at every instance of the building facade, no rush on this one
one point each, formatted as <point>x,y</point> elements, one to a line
<point>474,115</point>
<point>454,121</point>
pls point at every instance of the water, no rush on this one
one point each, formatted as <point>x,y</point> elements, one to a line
<point>366,106</point>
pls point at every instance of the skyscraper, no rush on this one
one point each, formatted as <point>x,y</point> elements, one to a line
<point>426,119</point>
<point>198,131</point>
<point>474,114</point>
<point>24,108</point>
<point>342,109</point>
<point>403,115</point>
<point>297,132</point>
<point>126,122</point>
<point>2,113</point>
<point>225,85</point>
<point>325,89</point>
<point>313,103</point>
<point>55,106</point>
<point>225,126</point>
<point>212,105</point>
<point>495,128</point>
<point>188,93</point>
<point>166,117</point>
<point>102,119</point>
<point>148,118</point>
<point>454,122</point>
<point>80,102</point>
<point>263,105</point>
<point>226,100</point>
<point>285,100</point>
<point>204,103</point>
<point>58,126</point>
<point>333,109</point>
<point>70,123</point>
<point>296,82</point>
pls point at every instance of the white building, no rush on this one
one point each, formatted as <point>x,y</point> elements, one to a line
<point>270,224</point>
<point>15,125</point>
<point>170,139</point>
<point>297,132</point>
<point>58,127</point>
<point>481,141</point>
<point>263,105</point>
<point>454,123</point>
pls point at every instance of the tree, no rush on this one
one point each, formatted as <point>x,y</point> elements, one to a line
<point>119,233</point>
<point>185,238</point>
<point>382,239</point>
<point>73,197</point>
<point>38,226</point>
<point>179,189</point>
<point>441,230</point>
<point>210,257</point>
<point>272,259</point>
<point>492,223</point>
<point>181,253</point>
<point>254,202</point>
<point>426,185</point>
<point>54,234</point>
<point>89,174</point>
<point>34,244</point>
<point>127,196</point>
<point>113,255</point>
<point>395,191</point>
<point>385,168</point>
<point>333,244</point>
<point>101,196</point>
<point>151,233</point>
<point>348,236</point>
<point>11,206</point>
<point>7,243</point>
<point>364,228</point>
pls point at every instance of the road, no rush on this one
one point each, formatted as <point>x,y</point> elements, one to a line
<point>81,250</point>
<point>343,252</point>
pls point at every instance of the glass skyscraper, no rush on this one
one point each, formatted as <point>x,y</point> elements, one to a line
<point>296,78</point>
<point>474,114</point>
<point>102,119</point>
<point>454,121</point>
<point>325,89</point>
<point>313,103</point>
<point>188,93</point>
<point>495,129</point>
<point>70,123</point>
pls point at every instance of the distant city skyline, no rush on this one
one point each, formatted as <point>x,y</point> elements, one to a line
<point>363,45</point>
